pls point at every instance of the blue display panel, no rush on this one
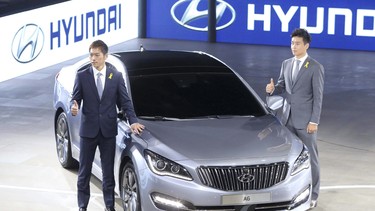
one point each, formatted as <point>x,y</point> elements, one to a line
<point>340,24</point>
<point>161,22</point>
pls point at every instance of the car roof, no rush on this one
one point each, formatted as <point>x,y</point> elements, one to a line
<point>158,62</point>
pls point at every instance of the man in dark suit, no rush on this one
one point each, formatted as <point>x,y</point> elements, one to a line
<point>302,81</point>
<point>100,88</point>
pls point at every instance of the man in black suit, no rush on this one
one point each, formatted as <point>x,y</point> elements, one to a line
<point>101,88</point>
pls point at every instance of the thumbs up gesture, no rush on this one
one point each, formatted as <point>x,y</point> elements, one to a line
<point>270,87</point>
<point>74,109</point>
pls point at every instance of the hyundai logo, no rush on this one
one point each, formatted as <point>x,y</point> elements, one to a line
<point>27,43</point>
<point>246,177</point>
<point>193,14</point>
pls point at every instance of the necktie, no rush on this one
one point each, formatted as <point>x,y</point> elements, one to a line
<point>295,70</point>
<point>99,85</point>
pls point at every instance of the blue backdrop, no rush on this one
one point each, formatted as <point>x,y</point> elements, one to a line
<point>339,24</point>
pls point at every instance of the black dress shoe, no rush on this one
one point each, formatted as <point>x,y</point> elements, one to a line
<point>82,209</point>
<point>109,209</point>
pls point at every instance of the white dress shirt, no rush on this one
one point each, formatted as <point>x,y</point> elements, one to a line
<point>302,60</point>
<point>103,72</point>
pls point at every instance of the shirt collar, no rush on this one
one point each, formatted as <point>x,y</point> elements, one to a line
<point>302,60</point>
<point>103,71</point>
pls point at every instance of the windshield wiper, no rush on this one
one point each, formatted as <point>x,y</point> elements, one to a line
<point>220,116</point>
<point>158,118</point>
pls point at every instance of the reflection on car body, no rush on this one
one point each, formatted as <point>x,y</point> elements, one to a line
<point>210,143</point>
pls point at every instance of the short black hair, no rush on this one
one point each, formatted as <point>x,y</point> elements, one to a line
<point>302,33</point>
<point>101,45</point>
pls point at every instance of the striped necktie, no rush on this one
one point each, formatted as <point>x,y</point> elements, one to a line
<point>295,70</point>
<point>99,85</point>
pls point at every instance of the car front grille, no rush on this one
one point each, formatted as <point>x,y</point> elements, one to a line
<point>240,178</point>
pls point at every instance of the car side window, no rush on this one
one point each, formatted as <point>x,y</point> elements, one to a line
<point>83,67</point>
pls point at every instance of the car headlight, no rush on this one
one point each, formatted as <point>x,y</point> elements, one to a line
<point>302,162</point>
<point>165,167</point>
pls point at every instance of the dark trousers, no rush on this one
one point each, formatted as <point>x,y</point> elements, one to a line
<point>88,147</point>
<point>310,141</point>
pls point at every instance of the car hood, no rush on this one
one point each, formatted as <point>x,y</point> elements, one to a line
<point>222,139</point>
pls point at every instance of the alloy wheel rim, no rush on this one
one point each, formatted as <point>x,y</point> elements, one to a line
<point>62,139</point>
<point>129,190</point>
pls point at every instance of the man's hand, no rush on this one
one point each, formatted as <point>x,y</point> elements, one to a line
<point>312,128</point>
<point>74,109</point>
<point>270,87</point>
<point>137,128</point>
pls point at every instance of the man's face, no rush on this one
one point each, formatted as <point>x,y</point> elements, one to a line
<point>298,47</point>
<point>97,58</point>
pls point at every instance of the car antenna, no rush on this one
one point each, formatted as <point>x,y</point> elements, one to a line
<point>141,48</point>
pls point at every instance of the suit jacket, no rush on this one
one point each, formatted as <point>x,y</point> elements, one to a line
<point>303,98</point>
<point>101,113</point>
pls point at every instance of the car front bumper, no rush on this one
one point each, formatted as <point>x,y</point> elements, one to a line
<point>167,193</point>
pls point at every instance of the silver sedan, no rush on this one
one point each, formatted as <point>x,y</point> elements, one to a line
<point>210,143</point>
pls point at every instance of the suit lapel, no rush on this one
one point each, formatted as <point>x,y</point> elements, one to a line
<point>289,71</point>
<point>108,78</point>
<point>91,81</point>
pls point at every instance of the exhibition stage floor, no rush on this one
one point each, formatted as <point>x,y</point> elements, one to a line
<point>32,179</point>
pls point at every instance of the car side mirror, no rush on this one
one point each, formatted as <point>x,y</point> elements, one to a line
<point>274,102</point>
<point>122,116</point>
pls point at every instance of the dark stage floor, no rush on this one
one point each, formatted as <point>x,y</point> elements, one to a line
<point>31,177</point>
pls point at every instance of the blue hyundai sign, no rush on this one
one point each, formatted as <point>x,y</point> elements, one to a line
<point>340,24</point>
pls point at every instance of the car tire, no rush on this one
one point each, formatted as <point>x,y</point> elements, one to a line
<point>131,200</point>
<point>63,142</point>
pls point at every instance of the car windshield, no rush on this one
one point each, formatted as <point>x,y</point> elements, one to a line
<point>186,94</point>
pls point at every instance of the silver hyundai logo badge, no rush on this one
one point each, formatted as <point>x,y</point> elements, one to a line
<point>189,14</point>
<point>246,177</point>
<point>27,43</point>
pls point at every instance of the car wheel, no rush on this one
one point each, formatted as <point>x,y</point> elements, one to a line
<point>130,197</point>
<point>63,144</point>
